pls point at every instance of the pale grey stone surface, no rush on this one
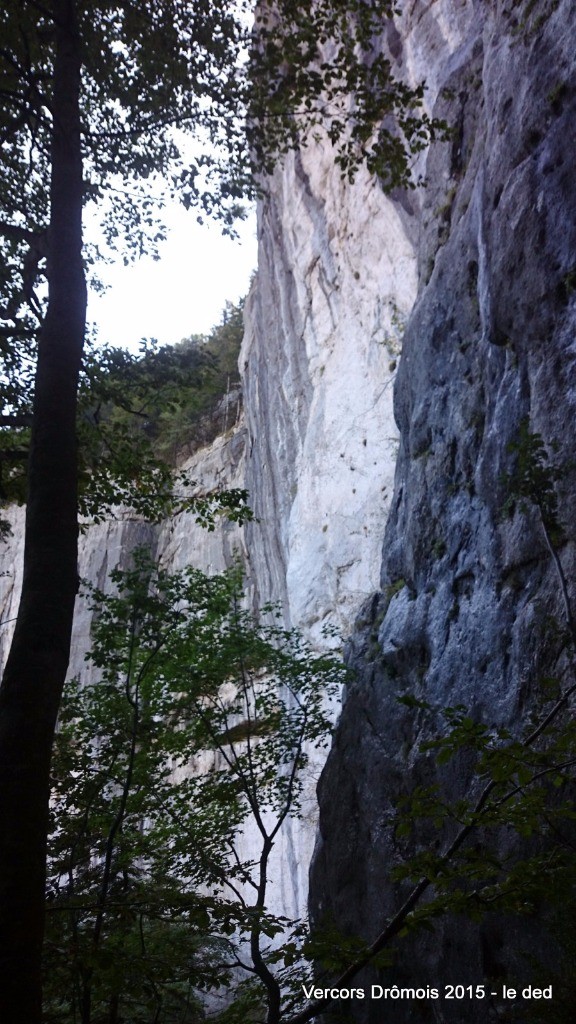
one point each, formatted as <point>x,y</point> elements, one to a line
<point>461,614</point>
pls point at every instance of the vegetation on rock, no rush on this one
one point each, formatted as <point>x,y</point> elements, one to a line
<point>179,397</point>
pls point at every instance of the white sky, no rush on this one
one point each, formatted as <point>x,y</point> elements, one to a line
<point>184,292</point>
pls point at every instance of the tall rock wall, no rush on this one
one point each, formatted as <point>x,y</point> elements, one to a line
<point>458,594</point>
<point>336,280</point>
<point>462,614</point>
<point>316,446</point>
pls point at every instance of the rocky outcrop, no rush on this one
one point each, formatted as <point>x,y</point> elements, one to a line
<point>462,614</point>
<point>336,280</point>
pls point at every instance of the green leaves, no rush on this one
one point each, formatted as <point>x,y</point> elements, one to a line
<point>520,786</point>
<point>138,416</point>
<point>175,398</point>
<point>320,70</point>
<point>534,478</point>
<point>185,101</point>
<point>197,723</point>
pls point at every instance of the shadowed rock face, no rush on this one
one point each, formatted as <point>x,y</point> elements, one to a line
<point>465,591</point>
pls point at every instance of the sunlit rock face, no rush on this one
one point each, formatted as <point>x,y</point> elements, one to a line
<point>336,280</point>
<point>466,592</point>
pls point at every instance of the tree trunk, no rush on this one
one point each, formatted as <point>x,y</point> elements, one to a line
<point>36,668</point>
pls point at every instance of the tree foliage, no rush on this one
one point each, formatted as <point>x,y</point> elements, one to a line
<point>170,399</point>
<point>193,732</point>
<point>192,735</point>
<point>139,415</point>
<point>196,725</point>
<point>328,75</point>
<point>167,90</point>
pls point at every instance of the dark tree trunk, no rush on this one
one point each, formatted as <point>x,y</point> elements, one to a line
<point>36,668</point>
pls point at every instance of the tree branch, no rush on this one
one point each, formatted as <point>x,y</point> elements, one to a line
<point>22,420</point>
<point>13,454</point>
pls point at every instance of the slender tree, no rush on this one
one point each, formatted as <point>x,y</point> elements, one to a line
<point>95,98</point>
<point>36,667</point>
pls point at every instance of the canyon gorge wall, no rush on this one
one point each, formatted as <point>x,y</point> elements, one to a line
<point>475,275</point>
<point>469,591</point>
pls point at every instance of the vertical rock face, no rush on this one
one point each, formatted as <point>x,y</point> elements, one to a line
<point>336,279</point>
<point>462,614</point>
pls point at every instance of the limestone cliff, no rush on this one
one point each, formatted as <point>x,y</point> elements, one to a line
<point>336,279</point>
<point>462,612</point>
<point>477,272</point>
